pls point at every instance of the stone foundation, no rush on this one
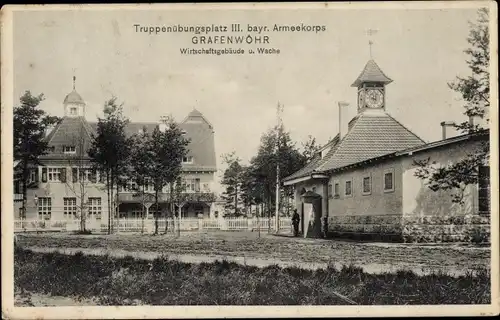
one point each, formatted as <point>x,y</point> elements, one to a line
<point>425,229</point>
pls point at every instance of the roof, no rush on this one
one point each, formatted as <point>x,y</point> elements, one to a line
<point>370,135</point>
<point>371,73</point>
<point>478,135</point>
<point>196,116</point>
<point>71,131</point>
<point>200,133</point>
<point>316,161</point>
<point>73,97</point>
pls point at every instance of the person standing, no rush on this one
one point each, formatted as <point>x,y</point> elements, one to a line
<point>295,223</point>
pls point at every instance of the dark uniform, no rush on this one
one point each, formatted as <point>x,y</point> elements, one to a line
<point>295,222</point>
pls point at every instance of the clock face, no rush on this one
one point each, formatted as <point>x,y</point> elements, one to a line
<point>374,99</point>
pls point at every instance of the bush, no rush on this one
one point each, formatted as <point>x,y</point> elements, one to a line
<point>478,235</point>
<point>128,281</point>
<point>84,232</point>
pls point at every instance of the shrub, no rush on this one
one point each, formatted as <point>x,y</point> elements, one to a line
<point>478,235</point>
<point>127,281</point>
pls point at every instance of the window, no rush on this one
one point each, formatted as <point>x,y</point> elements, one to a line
<point>54,174</point>
<point>330,191</point>
<point>336,190</point>
<point>95,207</point>
<point>484,190</point>
<point>187,159</point>
<point>348,188</point>
<point>32,177</point>
<point>191,185</point>
<point>197,185</point>
<point>44,208</point>
<point>85,174</point>
<point>69,149</point>
<point>69,207</point>
<point>388,180</point>
<point>206,187</point>
<point>72,110</point>
<point>367,185</point>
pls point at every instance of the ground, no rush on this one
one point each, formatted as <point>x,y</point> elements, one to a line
<point>265,249</point>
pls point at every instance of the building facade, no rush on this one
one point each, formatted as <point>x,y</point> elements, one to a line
<point>64,185</point>
<point>363,183</point>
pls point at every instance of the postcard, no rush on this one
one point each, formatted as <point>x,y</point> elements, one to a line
<point>249,160</point>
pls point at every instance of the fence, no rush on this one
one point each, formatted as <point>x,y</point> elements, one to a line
<point>148,225</point>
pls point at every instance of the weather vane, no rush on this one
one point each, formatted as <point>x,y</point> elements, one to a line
<point>371,32</point>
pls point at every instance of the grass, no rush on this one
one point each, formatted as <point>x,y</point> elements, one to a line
<point>129,281</point>
<point>248,244</point>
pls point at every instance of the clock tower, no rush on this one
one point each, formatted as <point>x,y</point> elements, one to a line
<point>371,88</point>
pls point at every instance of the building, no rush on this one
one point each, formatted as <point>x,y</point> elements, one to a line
<point>363,183</point>
<point>64,185</point>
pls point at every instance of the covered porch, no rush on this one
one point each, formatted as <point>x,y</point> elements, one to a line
<point>187,210</point>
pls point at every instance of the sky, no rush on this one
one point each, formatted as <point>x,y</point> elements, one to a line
<point>421,50</point>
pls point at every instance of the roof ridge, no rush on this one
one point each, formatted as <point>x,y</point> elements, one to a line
<point>85,126</point>
<point>402,125</point>
<point>341,141</point>
<point>55,130</point>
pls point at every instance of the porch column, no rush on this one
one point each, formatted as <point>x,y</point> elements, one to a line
<point>147,205</point>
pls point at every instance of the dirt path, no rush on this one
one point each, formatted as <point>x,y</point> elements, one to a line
<point>374,268</point>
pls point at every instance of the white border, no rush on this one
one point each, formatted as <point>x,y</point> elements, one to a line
<point>11,312</point>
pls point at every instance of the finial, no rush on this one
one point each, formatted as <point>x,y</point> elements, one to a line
<point>74,79</point>
<point>371,32</point>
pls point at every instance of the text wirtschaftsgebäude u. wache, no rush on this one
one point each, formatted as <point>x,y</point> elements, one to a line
<point>232,39</point>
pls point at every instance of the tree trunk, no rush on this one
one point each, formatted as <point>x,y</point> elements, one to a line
<point>82,211</point>
<point>109,202</point>
<point>25,188</point>
<point>112,187</point>
<point>236,200</point>
<point>142,210</point>
<point>171,196</point>
<point>156,212</point>
<point>117,205</point>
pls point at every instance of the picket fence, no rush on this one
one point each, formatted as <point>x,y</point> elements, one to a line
<point>148,225</point>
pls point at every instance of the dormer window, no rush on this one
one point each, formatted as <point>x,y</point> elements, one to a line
<point>324,152</point>
<point>69,149</point>
<point>187,159</point>
<point>72,111</point>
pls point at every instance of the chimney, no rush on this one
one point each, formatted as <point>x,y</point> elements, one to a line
<point>342,125</point>
<point>444,125</point>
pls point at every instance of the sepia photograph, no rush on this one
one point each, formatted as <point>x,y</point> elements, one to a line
<point>249,160</point>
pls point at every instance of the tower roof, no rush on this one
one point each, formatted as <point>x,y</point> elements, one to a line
<point>369,136</point>
<point>371,73</point>
<point>73,97</point>
<point>195,113</point>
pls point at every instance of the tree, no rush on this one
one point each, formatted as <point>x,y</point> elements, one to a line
<point>475,92</point>
<point>81,174</point>
<point>310,148</point>
<point>110,150</point>
<point>30,125</point>
<point>141,162</point>
<point>168,147</point>
<point>233,180</point>
<point>262,169</point>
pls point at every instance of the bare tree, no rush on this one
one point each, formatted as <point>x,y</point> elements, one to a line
<point>81,173</point>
